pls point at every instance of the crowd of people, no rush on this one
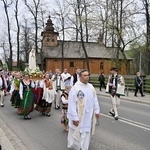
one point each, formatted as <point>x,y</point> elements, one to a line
<point>73,94</point>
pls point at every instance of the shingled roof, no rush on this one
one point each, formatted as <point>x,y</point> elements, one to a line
<point>73,49</point>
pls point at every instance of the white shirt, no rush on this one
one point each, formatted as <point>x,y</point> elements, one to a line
<point>64,77</point>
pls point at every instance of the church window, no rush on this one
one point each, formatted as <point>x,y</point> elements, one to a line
<point>53,40</point>
<point>71,64</point>
<point>101,65</point>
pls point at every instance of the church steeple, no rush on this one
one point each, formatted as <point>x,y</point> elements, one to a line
<point>49,25</point>
<point>49,35</point>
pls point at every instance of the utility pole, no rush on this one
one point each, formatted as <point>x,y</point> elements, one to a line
<point>140,62</point>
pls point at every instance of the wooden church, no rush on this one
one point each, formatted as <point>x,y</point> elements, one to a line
<point>70,54</point>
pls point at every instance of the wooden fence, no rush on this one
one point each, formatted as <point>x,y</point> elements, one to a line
<point>129,82</point>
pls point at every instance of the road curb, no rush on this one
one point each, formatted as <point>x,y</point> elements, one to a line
<point>8,139</point>
<point>127,99</point>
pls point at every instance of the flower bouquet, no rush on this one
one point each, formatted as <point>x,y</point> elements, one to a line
<point>36,74</point>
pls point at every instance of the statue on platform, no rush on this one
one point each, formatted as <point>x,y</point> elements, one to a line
<point>32,59</point>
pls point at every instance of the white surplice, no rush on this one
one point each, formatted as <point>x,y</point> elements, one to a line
<point>91,107</point>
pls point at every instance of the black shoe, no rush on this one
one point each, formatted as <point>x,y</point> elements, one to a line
<point>116,117</point>
<point>2,105</point>
<point>113,114</point>
<point>28,117</point>
<point>43,113</point>
<point>135,95</point>
<point>143,95</point>
<point>25,117</point>
<point>48,114</point>
<point>57,107</point>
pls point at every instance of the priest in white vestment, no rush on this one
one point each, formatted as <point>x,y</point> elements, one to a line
<point>83,110</point>
<point>66,77</point>
<point>32,60</point>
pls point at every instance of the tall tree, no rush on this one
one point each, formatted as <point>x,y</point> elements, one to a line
<point>61,14</point>
<point>18,32</point>
<point>147,15</point>
<point>82,33</point>
<point>25,41</point>
<point>6,6</point>
<point>34,10</point>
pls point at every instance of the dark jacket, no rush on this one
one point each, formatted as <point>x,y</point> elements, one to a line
<point>101,78</point>
<point>138,81</point>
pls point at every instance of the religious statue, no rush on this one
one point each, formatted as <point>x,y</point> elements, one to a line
<point>32,60</point>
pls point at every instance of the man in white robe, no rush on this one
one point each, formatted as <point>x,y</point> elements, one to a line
<point>83,109</point>
<point>66,77</point>
<point>32,60</point>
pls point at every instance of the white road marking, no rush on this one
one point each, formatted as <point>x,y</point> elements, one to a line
<point>131,122</point>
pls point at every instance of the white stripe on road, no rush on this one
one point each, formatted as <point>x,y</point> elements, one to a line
<point>131,122</point>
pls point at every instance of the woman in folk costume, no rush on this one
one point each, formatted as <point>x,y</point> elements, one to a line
<point>39,84</point>
<point>14,90</point>
<point>115,87</point>
<point>48,96</point>
<point>64,99</point>
<point>26,96</point>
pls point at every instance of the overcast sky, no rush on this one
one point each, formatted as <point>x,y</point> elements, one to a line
<point>50,3</point>
<point>22,12</point>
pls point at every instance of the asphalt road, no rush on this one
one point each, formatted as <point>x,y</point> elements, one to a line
<point>130,132</point>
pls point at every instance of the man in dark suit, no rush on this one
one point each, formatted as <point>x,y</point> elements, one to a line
<point>138,84</point>
<point>102,81</point>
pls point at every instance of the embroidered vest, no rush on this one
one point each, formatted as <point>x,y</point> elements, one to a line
<point>75,78</point>
<point>26,87</point>
<point>65,106</point>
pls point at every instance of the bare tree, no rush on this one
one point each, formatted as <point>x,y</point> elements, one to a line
<point>147,15</point>
<point>81,33</point>
<point>34,10</point>
<point>6,5</point>
<point>25,41</point>
<point>117,18</point>
<point>61,14</point>
<point>18,33</point>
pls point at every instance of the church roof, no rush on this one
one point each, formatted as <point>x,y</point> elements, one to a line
<point>73,49</point>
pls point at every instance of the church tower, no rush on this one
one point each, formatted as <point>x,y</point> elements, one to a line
<point>49,35</point>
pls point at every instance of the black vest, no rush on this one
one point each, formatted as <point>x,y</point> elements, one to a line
<point>3,84</point>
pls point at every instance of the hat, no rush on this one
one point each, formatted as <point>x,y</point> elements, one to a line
<point>114,69</point>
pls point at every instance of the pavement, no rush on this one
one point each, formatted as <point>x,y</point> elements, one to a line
<point>129,96</point>
<point>10,141</point>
